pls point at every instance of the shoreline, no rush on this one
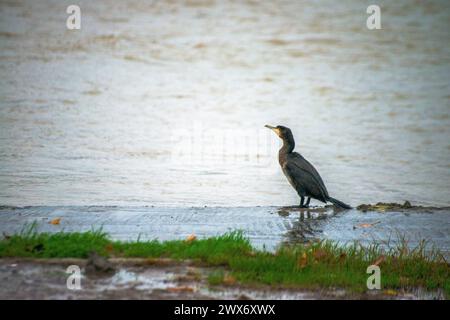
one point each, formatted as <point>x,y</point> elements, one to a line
<point>266,227</point>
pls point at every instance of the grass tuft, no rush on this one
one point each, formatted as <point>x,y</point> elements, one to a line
<point>30,243</point>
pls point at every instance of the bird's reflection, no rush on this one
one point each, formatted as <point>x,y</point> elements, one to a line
<point>307,223</point>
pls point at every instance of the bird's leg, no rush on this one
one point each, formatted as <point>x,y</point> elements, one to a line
<point>302,200</point>
<point>307,202</point>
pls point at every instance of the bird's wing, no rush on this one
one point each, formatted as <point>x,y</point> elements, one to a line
<point>305,176</point>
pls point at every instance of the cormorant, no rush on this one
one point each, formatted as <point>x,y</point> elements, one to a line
<point>300,173</point>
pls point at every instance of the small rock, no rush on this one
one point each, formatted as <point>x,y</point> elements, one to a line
<point>407,205</point>
<point>98,265</point>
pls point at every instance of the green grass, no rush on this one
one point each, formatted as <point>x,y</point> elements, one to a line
<point>316,265</point>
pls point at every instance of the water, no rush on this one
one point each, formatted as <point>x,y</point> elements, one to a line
<point>164,103</point>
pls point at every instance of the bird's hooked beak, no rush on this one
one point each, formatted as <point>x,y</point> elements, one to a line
<point>274,129</point>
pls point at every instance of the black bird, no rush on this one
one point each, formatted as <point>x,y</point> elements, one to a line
<point>300,173</point>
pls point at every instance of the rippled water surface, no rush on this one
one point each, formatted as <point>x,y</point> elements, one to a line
<point>164,103</point>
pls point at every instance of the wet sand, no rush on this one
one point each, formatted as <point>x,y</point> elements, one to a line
<point>266,227</point>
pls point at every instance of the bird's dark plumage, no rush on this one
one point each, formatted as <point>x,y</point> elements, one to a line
<point>300,173</point>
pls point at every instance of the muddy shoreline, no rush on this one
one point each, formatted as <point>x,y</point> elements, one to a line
<point>155,279</point>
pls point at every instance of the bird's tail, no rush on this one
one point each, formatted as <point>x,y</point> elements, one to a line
<point>339,203</point>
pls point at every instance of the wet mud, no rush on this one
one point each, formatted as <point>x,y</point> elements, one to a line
<point>153,279</point>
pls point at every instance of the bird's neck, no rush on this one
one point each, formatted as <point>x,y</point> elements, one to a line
<point>288,147</point>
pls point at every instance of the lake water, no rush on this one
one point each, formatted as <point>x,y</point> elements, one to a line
<point>164,103</point>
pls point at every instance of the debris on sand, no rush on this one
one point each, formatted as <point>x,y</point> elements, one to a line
<point>383,206</point>
<point>55,221</point>
<point>391,206</point>
<point>191,237</point>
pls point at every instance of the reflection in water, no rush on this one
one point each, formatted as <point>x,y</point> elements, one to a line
<point>308,225</point>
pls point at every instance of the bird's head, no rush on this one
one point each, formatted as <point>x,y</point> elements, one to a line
<point>282,132</point>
